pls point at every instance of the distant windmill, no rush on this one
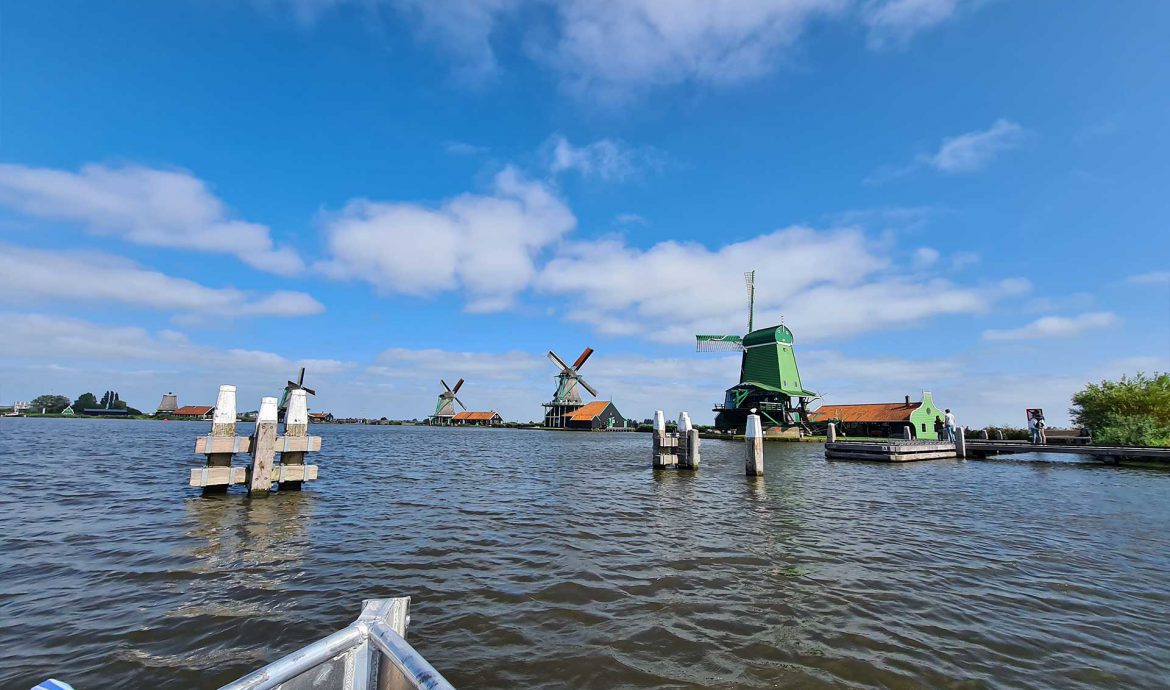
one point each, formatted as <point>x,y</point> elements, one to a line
<point>445,407</point>
<point>570,378</point>
<point>567,398</point>
<point>291,386</point>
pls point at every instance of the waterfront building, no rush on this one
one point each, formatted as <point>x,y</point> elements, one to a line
<point>466,418</point>
<point>201,412</point>
<point>598,415</point>
<point>883,419</point>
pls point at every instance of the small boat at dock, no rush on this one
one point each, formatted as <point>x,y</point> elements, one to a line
<point>369,654</point>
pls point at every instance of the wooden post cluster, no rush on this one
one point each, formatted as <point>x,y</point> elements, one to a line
<point>222,444</point>
<point>754,446</point>
<point>679,449</point>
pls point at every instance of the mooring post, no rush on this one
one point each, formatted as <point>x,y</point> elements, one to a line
<point>659,431</point>
<point>960,443</point>
<point>999,434</point>
<point>223,424</point>
<point>754,445</point>
<point>831,433</point>
<point>263,448</point>
<point>692,456</point>
<point>296,424</point>
<point>906,433</point>
<point>683,426</point>
<point>983,434</point>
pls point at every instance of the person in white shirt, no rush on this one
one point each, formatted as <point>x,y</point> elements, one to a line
<point>949,423</point>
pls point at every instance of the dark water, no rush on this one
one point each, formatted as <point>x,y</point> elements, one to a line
<point>539,559</point>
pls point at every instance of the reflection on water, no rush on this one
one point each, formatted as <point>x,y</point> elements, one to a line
<point>541,559</point>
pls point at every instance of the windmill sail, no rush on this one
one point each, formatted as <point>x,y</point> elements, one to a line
<point>718,343</point>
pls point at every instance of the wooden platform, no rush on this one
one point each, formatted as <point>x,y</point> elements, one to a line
<point>979,449</point>
<point>226,476</point>
<point>889,451</point>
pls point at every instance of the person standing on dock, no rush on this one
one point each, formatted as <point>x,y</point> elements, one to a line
<point>949,423</point>
<point>1036,427</point>
<point>938,428</point>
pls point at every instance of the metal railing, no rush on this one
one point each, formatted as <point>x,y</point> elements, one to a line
<point>369,654</point>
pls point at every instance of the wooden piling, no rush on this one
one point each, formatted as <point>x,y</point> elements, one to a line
<point>960,443</point>
<point>659,431</point>
<point>831,433</point>
<point>983,434</point>
<point>296,424</point>
<point>223,425</point>
<point>907,434</point>
<point>754,446</point>
<point>690,459</point>
<point>263,449</point>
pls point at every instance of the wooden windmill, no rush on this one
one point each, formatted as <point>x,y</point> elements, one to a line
<point>769,380</point>
<point>567,398</point>
<point>445,406</point>
<point>298,385</point>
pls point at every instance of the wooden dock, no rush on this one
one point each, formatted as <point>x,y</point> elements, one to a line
<point>981,449</point>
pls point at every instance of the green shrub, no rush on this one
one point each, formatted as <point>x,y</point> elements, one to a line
<point>1131,412</point>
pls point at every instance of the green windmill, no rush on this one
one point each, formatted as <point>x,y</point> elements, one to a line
<point>769,380</point>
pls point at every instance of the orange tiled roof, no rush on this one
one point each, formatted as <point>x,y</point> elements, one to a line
<point>193,410</point>
<point>475,416</point>
<point>587,412</point>
<point>868,412</point>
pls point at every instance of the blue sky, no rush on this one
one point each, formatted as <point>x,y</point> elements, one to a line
<point>967,197</point>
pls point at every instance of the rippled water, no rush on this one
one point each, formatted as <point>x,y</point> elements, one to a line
<point>543,559</point>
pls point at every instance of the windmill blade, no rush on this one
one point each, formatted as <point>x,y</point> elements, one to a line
<point>460,402</point>
<point>457,385</point>
<point>310,391</point>
<point>445,385</point>
<point>749,279</point>
<point>584,356</point>
<point>586,386</point>
<point>301,378</point>
<point>718,343</point>
<point>557,360</point>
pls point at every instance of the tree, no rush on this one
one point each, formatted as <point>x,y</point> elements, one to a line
<point>52,404</point>
<point>1132,411</point>
<point>86,401</point>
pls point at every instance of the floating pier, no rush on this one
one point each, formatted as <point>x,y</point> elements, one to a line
<point>222,444</point>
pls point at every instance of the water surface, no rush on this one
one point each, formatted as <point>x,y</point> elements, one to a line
<point>546,559</point>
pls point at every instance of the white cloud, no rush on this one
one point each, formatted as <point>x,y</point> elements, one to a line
<point>1055,327</point>
<point>605,159</point>
<point>463,148</point>
<point>974,150</point>
<point>615,47</point>
<point>631,219</point>
<point>38,336</point>
<point>825,283</point>
<point>161,208</point>
<point>895,21</point>
<point>1152,278</point>
<point>924,257</point>
<point>28,275</point>
<point>485,245</point>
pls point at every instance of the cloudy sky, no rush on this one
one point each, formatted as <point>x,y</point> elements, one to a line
<point>963,196</point>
